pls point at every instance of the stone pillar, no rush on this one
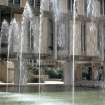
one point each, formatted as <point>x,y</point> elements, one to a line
<point>93,71</point>
<point>68,73</point>
<point>23,73</point>
<point>17,72</point>
<point>20,73</point>
<point>44,34</point>
<point>78,72</point>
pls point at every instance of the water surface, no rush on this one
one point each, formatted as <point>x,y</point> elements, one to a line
<point>87,97</point>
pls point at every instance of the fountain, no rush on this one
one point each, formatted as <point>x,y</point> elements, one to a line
<point>22,42</point>
<point>25,29</point>
<point>25,48</point>
<point>14,38</point>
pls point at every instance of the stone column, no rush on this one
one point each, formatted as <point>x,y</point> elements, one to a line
<point>20,73</point>
<point>23,73</point>
<point>78,72</point>
<point>93,71</point>
<point>68,73</point>
<point>17,72</point>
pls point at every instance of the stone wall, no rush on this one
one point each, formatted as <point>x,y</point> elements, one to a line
<point>3,72</point>
<point>18,17</point>
<point>4,2</point>
<point>91,39</point>
<point>3,68</point>
<point>22,3</point>
<point>44,35</point>
<point>80,7</point>
<point>63,6</point>
<point>96,10</point>
<point>77,41</point>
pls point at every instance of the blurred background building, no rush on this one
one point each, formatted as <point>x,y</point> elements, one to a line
<point>57,36</point>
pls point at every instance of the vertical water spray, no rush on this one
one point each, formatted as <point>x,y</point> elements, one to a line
<point>39,49</point>
<point>20,56</point>
<point>8,53</point>
<point>44,4</point>
<point>27,18</point>
<point>74,33</point>
<point>11,42</point>
<point>13,37</point>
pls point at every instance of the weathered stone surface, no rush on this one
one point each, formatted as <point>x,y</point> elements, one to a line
<point>75,42</point>
<point>6,69</point>
<point>4,2</point>
<point>91,39</point>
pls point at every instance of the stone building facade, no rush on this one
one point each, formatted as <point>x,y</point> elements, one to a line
<point>58,31</point>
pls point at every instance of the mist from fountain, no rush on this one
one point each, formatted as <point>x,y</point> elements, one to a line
<point>13,43</point>
<point>21,39</point>
<point>74,35</point>
<point>39,49</point>
<point>14,37</point>
<point>18,38</point>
